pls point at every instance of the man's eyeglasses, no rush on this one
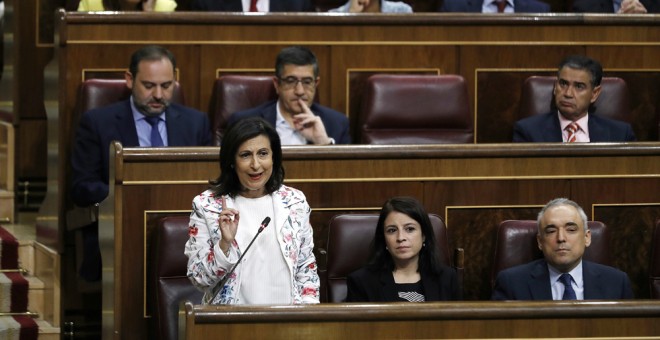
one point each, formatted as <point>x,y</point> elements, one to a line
<point>291,82</point>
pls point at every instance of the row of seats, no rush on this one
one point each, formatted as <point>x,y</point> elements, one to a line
<point>349,237</point>
<point>397,109</point>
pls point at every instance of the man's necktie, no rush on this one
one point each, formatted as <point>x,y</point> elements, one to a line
<point>156,140</point>
<point>572,129</point>
<point>253,6</point>
<point>569,293</point>
<point>501,5</point>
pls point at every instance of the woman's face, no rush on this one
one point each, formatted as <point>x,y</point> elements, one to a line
<point>254,166</point>
<point>403,238</point>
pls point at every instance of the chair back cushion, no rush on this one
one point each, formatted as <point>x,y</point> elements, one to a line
<point>516,244</point>
<point>233,93</point>
<point>654,267</point>
<point>416,109</point>
<point>613,102</point>
<point>170,284</point>
<point>349,241</point>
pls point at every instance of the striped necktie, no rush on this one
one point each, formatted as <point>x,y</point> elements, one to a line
<point>572,129</point>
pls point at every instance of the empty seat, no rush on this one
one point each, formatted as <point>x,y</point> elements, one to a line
<point>168,279</point>
<point>233,93</point>
<point>613,102</point>
<point>416,109</point>
<point>349,240</point>
<point>516,244</point>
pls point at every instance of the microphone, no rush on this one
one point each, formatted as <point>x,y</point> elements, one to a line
<point>218,288</point>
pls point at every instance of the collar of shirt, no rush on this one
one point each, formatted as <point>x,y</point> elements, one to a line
<point>617,5</point>
<point>288,135</point>
<point>582,134</point>
<point>489,6</point>
<point>263,6</point>
<point>144,128</point>
<point>558,287</point>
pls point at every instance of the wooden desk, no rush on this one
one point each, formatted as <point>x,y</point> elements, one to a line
<point>473,187</point>
<point>432,320</point>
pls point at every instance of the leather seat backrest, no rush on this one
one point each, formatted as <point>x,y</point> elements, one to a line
<point>349,241</point>
<point>168,276</point>
<point>613,102</point>
<point>233,93</point>
<point>516,244</point>
<point>416,109</point>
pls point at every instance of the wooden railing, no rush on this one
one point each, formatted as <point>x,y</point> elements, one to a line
<point>430,320</point>
<point>472,187</point>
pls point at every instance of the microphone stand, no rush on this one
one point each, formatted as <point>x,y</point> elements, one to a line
<point>218,288</point>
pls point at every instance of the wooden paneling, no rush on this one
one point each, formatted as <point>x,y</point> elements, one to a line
<point>428,320</point>
<point>473,187</point>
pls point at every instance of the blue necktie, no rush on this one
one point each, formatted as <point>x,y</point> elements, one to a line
<point>156,140</point>
<point>569,293</point>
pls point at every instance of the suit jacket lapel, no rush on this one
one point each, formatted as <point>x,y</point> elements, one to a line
<point>269,113</point>
<point>172,117</point>
<point>539,282</point>
<point>475,6</point>
<point>126,126</point>
<point>596,131</point>
<point>388,288</point>
<point>592,287</point>
<point>430,289</point>
<point>552,129</point>
<point>520,6</point>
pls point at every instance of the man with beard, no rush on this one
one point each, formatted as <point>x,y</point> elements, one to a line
<point>295,116</point>
<point>146,119</point>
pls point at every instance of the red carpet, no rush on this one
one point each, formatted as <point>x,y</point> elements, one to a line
<point>8,250</point>
<point>14,294</point>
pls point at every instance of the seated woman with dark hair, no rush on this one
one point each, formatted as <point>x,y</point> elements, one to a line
<point>127,5</point>
<point>403,264</point>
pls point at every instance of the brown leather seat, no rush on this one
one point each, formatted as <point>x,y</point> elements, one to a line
<point>169,284</point>
<point>516,244</point>
<point>349,240</point>
<point>416,109</point>
<point>654,263</point>
<point>233,93</point>
<point>613,102</point>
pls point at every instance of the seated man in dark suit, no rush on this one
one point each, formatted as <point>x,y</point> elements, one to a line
<point>616,6</point>
<point>562,274</point>
<point>253,5</point>
<point>576,89</point>
<point>146,119</point>
<point>295,116</point>
<point>494,6</point>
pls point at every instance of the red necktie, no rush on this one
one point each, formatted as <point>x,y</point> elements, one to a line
<point>501,5</point>
<point>572,129</point>
<point>253,6</point>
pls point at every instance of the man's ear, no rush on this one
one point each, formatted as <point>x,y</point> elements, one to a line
<point>587,240</point>
<point>129,79</point>
<point>276,83</point>
<point>596,93</point>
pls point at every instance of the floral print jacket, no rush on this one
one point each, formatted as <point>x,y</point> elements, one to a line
<point>207,264</point>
